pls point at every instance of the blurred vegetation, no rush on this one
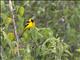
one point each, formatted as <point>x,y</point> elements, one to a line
<point>56,36</point>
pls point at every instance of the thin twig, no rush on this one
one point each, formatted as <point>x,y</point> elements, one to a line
<point>14,24</point>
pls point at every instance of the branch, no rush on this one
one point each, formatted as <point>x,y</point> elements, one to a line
<point>14,24</point>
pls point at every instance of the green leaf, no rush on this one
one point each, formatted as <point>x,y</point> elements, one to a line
<point>21,11</point>
<point>11,36</point>
<point>78,50</point>
<point>46,32</point>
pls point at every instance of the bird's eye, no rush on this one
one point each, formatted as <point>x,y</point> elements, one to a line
<point>32,20</point>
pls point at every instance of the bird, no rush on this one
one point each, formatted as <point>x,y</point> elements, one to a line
<point>28,25</point>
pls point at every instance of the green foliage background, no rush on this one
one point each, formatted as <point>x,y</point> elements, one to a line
<point>56,36</point>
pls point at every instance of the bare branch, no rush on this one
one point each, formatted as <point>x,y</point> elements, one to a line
<point>14,24</point>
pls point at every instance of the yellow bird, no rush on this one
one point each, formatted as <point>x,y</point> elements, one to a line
<point>28,24</point>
